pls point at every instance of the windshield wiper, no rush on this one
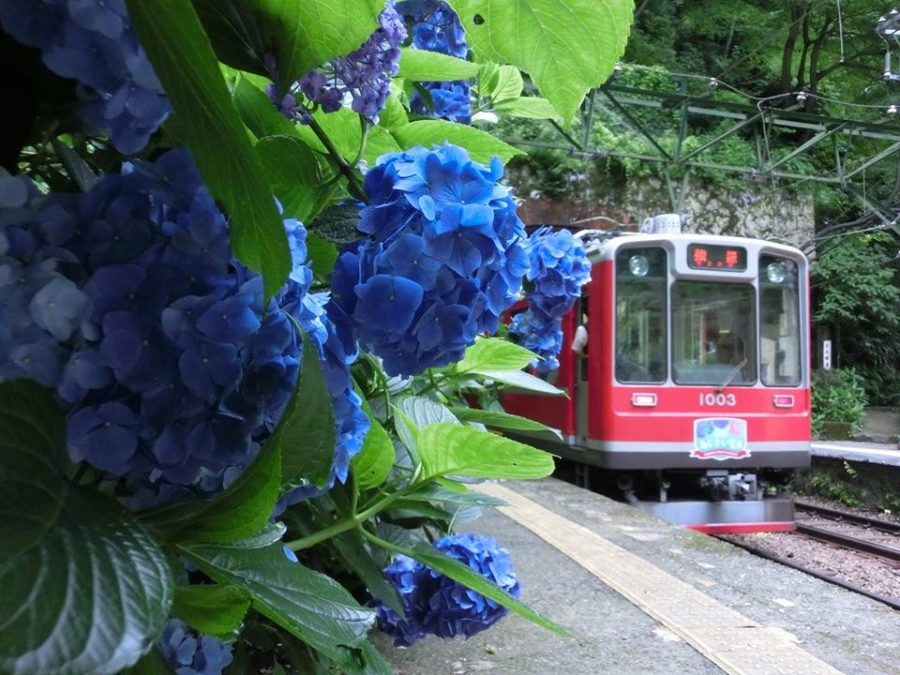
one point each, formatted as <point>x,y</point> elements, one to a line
<point>731,376</point>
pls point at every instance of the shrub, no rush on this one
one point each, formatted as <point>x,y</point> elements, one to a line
<point>838,396</point>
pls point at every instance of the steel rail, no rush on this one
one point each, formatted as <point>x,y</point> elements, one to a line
<point>833,514</point>
<point>893,603</point>
<point>849,542</point>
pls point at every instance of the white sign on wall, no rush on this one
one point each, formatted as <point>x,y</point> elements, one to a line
<point>826,354</point>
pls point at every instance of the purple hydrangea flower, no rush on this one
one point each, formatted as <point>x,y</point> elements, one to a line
<point>435,604</point>
<point>443,259</point>
<point>363,76</point>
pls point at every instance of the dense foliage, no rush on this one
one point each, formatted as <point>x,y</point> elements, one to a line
<point>838,396</point>
<point>857,291</point>
<point>250,258</point>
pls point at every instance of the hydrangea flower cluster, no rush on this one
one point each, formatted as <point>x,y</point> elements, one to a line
<point>362,76</point>
<point>444,257</point>
<point>559,268</point>
<point>94,43</point>
<point>191,653</point>
<point>437,29</point>
<point>126,300</point>
<point>435,604</point>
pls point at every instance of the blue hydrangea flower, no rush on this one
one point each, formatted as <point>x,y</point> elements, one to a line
<point>363,76</point>
<point>437,28</point>
<point>558,270</point>
<point>191,653</point>
<point>541,334</point>
<point>127,300</point>
<point>435,604</point>
<point>94,43</point>
<point>444,257</point>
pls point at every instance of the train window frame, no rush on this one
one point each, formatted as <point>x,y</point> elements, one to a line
<point>714,338</point>
<point>641,340</point>
<point>785,352</point>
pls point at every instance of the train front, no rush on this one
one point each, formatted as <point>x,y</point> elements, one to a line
<point>696,390</point>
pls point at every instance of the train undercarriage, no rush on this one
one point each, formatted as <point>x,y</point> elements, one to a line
<point>712,500</point>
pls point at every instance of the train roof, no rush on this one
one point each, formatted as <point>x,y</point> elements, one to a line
<point>602,244</point>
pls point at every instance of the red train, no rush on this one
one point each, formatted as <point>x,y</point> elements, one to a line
<point>693,398</point>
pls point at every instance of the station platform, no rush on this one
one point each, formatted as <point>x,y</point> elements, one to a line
<point>641,596</point>
<point>858,451</point>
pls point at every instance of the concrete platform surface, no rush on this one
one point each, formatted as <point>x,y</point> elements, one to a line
<point>814,627</point>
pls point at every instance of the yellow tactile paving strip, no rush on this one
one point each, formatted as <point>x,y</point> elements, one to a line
<point>733,642</point>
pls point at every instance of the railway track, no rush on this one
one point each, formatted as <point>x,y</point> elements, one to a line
<point>853,542</point>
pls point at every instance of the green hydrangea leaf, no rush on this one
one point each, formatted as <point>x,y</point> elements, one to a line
<point>520,380</point>
<point>528,107</point>
<point>423,411</point>
<point>32,459</point>
<point>435,493</point>
<point>498,420</point>
<point>243,509</point>
<point>459,450</point>
<point>209,124</point>
<point>237,33</point>
<point>420,65</point>
<point>298,178</point>
<point>345,132</point>
<point>68,553</point>
<point>212,609</point>
<point>356,555</point>
<point>480,145</point>
<point>268,534</point>
<point>507,84</point>
<point>322,253</point>
<point>373,463</point>
<point>309,605</point>
<point>567,46</point>
<point>337,224</point>
<point>307,34</point>
<point>257,112</point>
<point>494,354</point>
<point>305,433</point>
<point>98,562</point>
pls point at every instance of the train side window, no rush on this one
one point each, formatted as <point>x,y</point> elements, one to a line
<point>641,315</point>
<point>779,323</point>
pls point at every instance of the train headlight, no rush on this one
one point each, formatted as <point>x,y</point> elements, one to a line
<point>638,265</point>
<point>776,272</point>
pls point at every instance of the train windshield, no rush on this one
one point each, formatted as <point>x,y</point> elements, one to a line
<point>713,333</point>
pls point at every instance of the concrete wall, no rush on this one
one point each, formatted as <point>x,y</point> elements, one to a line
<point>754,211</point>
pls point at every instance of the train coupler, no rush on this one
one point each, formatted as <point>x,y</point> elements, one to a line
<point>724,486</point>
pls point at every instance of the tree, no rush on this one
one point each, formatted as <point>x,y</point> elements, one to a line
<point>856,292</point>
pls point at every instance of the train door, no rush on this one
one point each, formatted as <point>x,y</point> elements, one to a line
<point>580,372</point>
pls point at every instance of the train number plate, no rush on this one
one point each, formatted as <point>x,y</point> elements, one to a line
<point>720,438</point>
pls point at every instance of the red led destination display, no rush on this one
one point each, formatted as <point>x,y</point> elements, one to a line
<point>720,258</point>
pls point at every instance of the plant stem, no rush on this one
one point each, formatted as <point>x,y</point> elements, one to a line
<point>348,524</point>
<point>356,187</point>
